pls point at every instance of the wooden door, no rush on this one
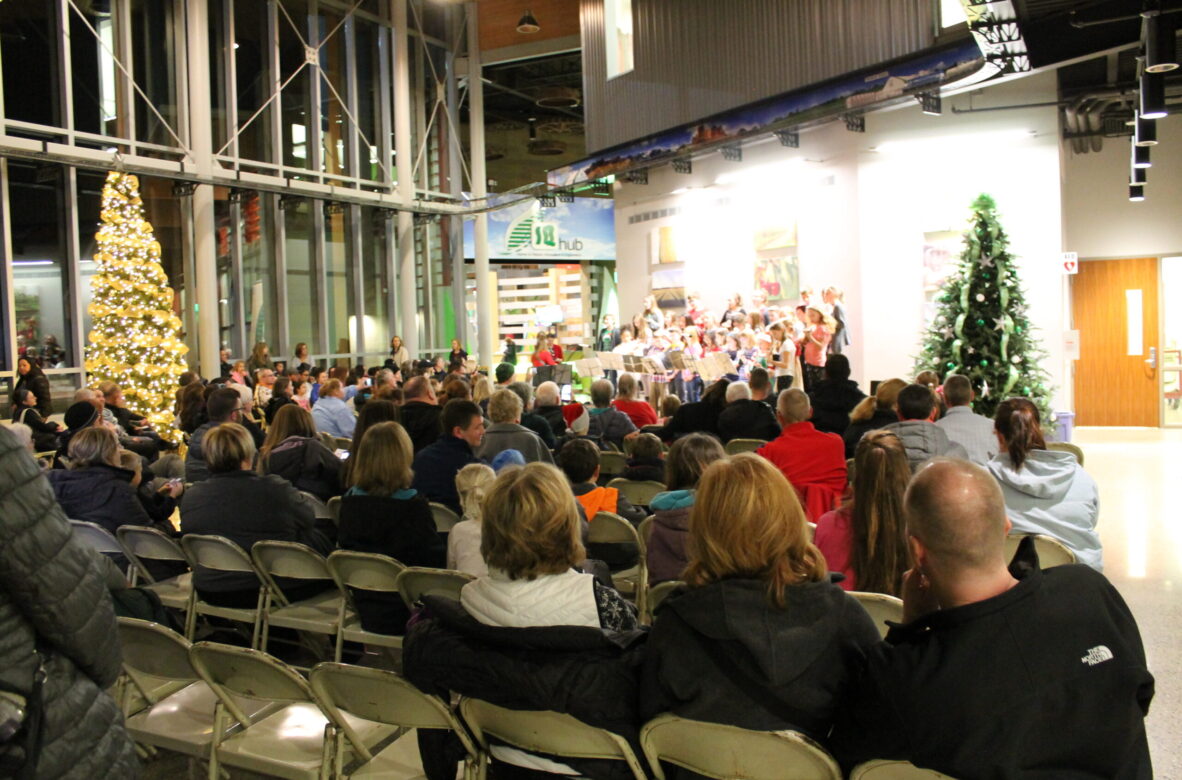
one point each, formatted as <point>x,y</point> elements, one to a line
<point>1113,387</point>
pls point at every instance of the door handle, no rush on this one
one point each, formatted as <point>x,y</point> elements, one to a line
<point>1151,361</point>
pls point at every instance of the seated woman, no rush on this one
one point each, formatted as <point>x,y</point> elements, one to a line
<point>95,487</point>
<point>866,538</point>
<point>24,410</point>
<point>760,638</point>
<point>534,633</point>
<point>244,507</point>
<point>382,513</point>
<point>292,450</point>
<point>375,411</point>
<point>687,459</point>
<point>873,413</point>
<point>281,396</point>
<point>1046,492</point>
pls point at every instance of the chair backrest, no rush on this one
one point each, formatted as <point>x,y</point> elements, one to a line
<point>319,508</point>
<point>237,671</point>
<point>612,462</point>
<point>610,528</point>
<point>417,581</point>
<point>142,542</point>
<point>154,650</point>
<point>638,492</point>
<point>97,537</point>
<point>724,752</point>
<point>288,559</point>
<point>880,769</point>
<point>812,529</point>
<point>552,733</point>
<point>342,443</point>
<point>660,592</point>
<point>881,607</point>
<point>735,446</point>
<point>1066,446</point>
<point>1051,552</point>
<point>334,509</point>
<point>217,553</point>
<point>365,571</point>
<point>328,440</point>
<point>445,518</point>
<point>645,530</point>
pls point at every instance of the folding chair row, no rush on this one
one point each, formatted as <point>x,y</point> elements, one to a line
<point>610,528</point>
<point>637,492</point>
<point>244,709</point>
<point>141,545</point>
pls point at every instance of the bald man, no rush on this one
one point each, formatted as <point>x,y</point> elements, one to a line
<point>812,461</point>
<point>998,671</point>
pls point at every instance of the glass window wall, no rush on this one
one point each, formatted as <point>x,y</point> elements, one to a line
<point>154,64</point>
<point>30,39</point>
<point>375,278</point>
<point>297,221</point>
<point>338,243</point>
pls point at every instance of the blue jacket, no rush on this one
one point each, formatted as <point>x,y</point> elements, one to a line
<point>333,417</point>
<point>435,469</point>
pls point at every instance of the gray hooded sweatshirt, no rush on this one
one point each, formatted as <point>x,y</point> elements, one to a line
<point>925,440</point>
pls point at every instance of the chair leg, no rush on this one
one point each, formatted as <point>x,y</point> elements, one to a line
<point>219,729</point>
<point>191,616</point>
<point>258,619</point>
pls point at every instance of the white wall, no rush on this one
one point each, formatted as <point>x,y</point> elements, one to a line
<point>862,215</point>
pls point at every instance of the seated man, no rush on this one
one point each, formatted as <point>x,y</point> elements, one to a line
<point>223,405</point>
<point>435,468</point>
<point>835,396</point>
<point>996,671</point>
<point>420,414</point>
<point>813,462</point>
<point>608,423</point>
<point>507,432</point>
<point>548,406</point>
<point>972,431</point>
<point>744,418</point>
<point>535,422</point>
<point>917,429</point>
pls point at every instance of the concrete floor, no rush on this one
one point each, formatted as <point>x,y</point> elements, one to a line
<point>1141,528</point>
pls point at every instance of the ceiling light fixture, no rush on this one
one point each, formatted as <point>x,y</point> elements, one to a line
<point>1136,193</point>
<point>1137,175</point>
<point>1144,130</point>
<point>1140,156</point>
<point>1153,95</point>
<point>528,25</point>
<point>1161,42</point>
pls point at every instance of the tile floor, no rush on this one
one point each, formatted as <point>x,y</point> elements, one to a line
<point>1141,528</point>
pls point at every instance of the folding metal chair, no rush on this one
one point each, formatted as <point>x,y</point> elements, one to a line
<point>881,608</point>
<point>735,446</point>
<point>294,561</point>
<point>612,463</point>
<point>445,518</point>
<point>144,543</point>
<point>610,528</point>
<point>1051,552</point>
<point>220,554</point>
<point>368,572</point>
<point>418,581</point>
<point>637,492</point>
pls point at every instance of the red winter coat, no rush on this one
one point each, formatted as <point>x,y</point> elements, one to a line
<point>814,464</point>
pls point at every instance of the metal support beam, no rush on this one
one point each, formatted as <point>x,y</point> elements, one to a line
<point>486,307</point>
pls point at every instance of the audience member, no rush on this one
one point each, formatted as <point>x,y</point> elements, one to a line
<point>916,428</point>
<point>536,423</point>
<point>699,416</point>
<point>281,395</point>
<point>159,504</point>
<point>96,488</point>
<point>669,406</point>
<point>80,416</point>
<point>579,461</point>
<point>578,424</point>
<point>1045,491</point>
<point>813,462</point>
<point>374,412</point>
<point>223,405</point>
<point>420,413</point>
<point>640,412</point>
<point>482,390</point>
<point>688,458</point>
<point>534,633</point>
<point>293,450</point>
<point>244,507</point>
<point>191,413</point>
<point>463,542</point>
<point>548,405</point>
<point>507,432</point>
<point>24,410</point>
<point>436,466</point>
<point>382,513</point>
<point>835,396</point>
<point>263,386</point>
<point>1070,698</point>
<point>30,377</point>
<point>247,416</point>
<point>744,418</point>
<point>331,414</point>
<point>24,435</point>
<point>760,638</point>
<point>873,413</point>
<point>455,389</point>
<point>58,621</point>
<point>646,462</point>
<point>865,538</point>
<point>761,388</point>
<point>974,432</point>
<point>607,423</point>
<point>240,375</point>
<point>260,357</point>
<point>504,373</point>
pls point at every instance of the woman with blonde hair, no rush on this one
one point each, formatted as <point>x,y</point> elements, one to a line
<point>96,487</point>
<point>482,390</point>
<point>760,638</point>
<point>873,412</point>
<point>293,450</point>
<point>866,539</point>
<point>381,513</point>
<point>463,543</point>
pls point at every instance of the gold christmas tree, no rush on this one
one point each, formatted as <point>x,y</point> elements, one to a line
<point>135,339</point>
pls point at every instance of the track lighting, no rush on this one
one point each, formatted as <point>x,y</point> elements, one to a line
<point>1136,193</point>
<point>1144,130</point>
<point>1161,43</point>
<point>527,24</point>
<point>1137,175</point>
<point>1153,95</point>
<point>1140,155</point>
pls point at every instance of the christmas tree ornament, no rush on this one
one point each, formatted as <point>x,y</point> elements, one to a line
<point>980,297</point>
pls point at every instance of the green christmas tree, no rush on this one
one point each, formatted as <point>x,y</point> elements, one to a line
<point>981,329</point>
<point>135,339</point>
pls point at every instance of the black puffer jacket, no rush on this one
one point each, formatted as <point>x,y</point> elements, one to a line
<point>99,494</point>
<point>589,673</point>
<point>833,400</point>
<point>52,594</point>
<point>307,464</point>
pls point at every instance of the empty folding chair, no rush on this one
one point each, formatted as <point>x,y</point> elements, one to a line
<point>610,528</point>
<point>218,553</point>
<point>735,446</point>
<point>144,545</point>
<point>285,561</point>
<point>637,492</point>
<point>881,608</point>
<point>319,508</point>
<point>552,733</point>
<point>612,463</point>
<point>176,709</point>
<point>880,769</point>
<point>445,518</point>
<point>295,740</point>
<point>418,581</point>
<point>97,537</point>
<point>384,697</point>
<point>724,752</point>
<point>1051,552</point>
<point>367,572</point>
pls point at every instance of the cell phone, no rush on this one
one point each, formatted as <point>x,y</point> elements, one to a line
<point>342,454</point>
<point>368,381</point>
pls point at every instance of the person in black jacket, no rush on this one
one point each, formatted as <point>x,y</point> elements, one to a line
<point>698,417</point>
<point>744,418</point>
<point>873,413</point>
<point>244,507</point>
<point>548,406</point>
<point>221,406</point>
<point>24,410</point>
<point>381,513</point>
<point>1047,667</point>
<point>280,397</point>
<point>834,397</point>
<point>294,451</point>
<point>760,638</point>
<point>96,488</point>
<point>420,413</point>
<point>435,467</point>
<point>30,377</point>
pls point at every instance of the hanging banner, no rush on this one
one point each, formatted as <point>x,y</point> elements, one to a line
<point>584,229</point>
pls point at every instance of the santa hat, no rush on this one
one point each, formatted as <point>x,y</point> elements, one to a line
<point>577,419</point>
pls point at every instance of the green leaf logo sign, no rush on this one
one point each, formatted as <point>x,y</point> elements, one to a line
<point>529,232</point>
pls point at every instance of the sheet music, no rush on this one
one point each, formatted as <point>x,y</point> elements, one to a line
<point>611,361</point>
<point>588,367</point>
<point>679,360</point>
<point>633,364</point>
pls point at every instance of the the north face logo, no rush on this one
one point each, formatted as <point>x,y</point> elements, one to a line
<point>1097,655</point>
